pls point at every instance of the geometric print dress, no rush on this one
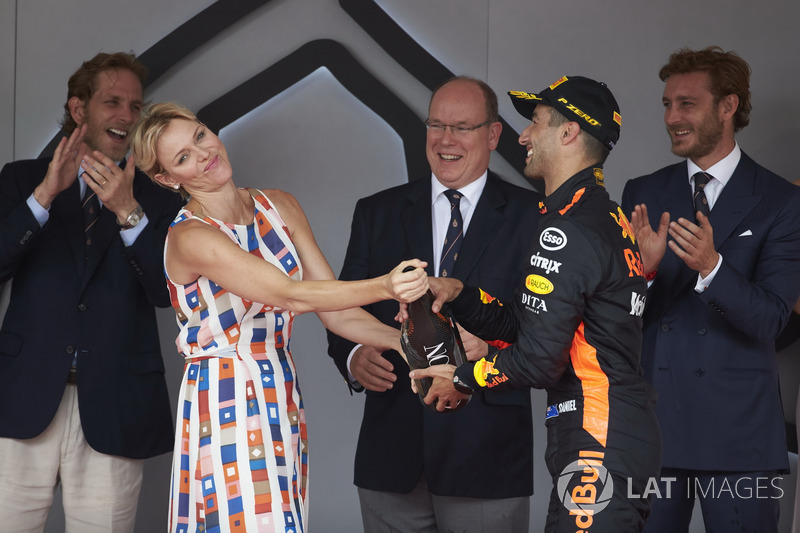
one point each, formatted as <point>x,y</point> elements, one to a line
<point>241,450</point>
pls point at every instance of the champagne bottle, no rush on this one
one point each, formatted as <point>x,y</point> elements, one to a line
<point>428,339</point>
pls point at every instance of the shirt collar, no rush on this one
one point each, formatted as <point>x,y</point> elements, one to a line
<point>472,192</point>
<point>722,170</point>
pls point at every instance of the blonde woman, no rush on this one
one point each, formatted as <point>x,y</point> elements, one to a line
<point>240,264</point>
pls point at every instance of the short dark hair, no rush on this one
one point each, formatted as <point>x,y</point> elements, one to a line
<point>729,74</point>
<point>83,82</point>
<point>488,94</point>
<point>592,148</point>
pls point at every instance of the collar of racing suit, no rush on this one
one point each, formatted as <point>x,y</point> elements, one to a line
<point>562,198</point>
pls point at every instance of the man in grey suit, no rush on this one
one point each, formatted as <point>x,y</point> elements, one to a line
<point>410,462</point>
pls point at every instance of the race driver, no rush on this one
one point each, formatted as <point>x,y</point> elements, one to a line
<point>575,325</point>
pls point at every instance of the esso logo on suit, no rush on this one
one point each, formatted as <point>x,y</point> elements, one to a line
<point>552,239</point>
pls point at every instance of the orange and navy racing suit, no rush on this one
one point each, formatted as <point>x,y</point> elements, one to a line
<point>575,329</point>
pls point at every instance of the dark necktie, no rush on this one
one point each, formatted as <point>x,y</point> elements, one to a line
<point>701,179</point>
<point>91,212</point>
<point>454,236</point>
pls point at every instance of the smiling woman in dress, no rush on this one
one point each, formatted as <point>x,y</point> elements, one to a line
<point>240,264</point>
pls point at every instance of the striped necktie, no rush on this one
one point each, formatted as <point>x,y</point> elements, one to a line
<point>454,236</point>
<point>91,212</point>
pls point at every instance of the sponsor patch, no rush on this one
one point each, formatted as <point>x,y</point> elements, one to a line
<point>622,221</point>
<point>599,177</point>
<point>548,265</point>
<point>487,298</point>
<point>558,82</point>
<point>637,304</point>
<point>552,239</point>
<point>634,261</point>
<point>534,303</point>
<point>558,408</point>
<point>538,284</point>
<point>585,488</point>
<point>571,107</point>
<point>523,94</point>
<point>484,370</point>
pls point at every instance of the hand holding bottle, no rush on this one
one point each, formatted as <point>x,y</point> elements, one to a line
<point>442,395</point>
<point>431,339</point>
<point>408,281</point>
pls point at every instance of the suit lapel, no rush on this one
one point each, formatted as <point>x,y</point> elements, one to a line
<point>105,230</point>
<point>66,217</point>
<point>735,202</point>
<point>678,195</point>
<point>486,220</point>
<point>678,202</point>
<point>416,220</point>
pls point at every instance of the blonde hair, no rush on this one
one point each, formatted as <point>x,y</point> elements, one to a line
<point>147,131</point>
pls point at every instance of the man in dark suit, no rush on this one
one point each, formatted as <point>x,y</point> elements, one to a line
<point>83,398</point>
<point>410,461</point>
<point>721,290</point>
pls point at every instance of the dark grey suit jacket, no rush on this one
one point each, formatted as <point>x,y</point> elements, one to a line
<point>484,450</point>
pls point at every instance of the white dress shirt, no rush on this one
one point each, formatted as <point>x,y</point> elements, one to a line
<point>721,173</point>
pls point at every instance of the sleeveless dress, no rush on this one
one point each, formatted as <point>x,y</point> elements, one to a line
<point>240,461</point>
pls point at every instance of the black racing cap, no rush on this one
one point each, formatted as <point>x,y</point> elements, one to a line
<point>582,100</point>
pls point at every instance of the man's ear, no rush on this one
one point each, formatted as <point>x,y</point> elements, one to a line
<point>495,128</point>
<point>570,132</point>
<point>77,109</point>
<point>728,105</point>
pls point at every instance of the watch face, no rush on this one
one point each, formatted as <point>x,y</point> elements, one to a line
<point>133,218</point>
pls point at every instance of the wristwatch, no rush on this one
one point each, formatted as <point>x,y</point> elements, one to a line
<point>133,218</point>
<point>461,387</point>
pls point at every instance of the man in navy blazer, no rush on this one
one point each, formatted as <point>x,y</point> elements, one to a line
<point>83,398</point>
<point>721,290</point>
<point>409,464</point>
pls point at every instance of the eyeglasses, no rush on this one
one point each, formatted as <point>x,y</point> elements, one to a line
<point>437,129</point>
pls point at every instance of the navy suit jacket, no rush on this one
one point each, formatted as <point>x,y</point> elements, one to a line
<point>103,310</point>
<point>711,356</point>
<point>484,450</point>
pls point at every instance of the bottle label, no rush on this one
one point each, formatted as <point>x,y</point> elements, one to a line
<point>436,355</point>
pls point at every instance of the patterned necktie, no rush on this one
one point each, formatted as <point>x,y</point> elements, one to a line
<point>701,179</point>
<point>91,212</point>
<point>454,236</point>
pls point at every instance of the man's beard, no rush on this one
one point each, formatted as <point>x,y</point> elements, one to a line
<point>708,135</point>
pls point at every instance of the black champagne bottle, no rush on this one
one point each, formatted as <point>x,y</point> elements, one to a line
<point>429,339</point>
